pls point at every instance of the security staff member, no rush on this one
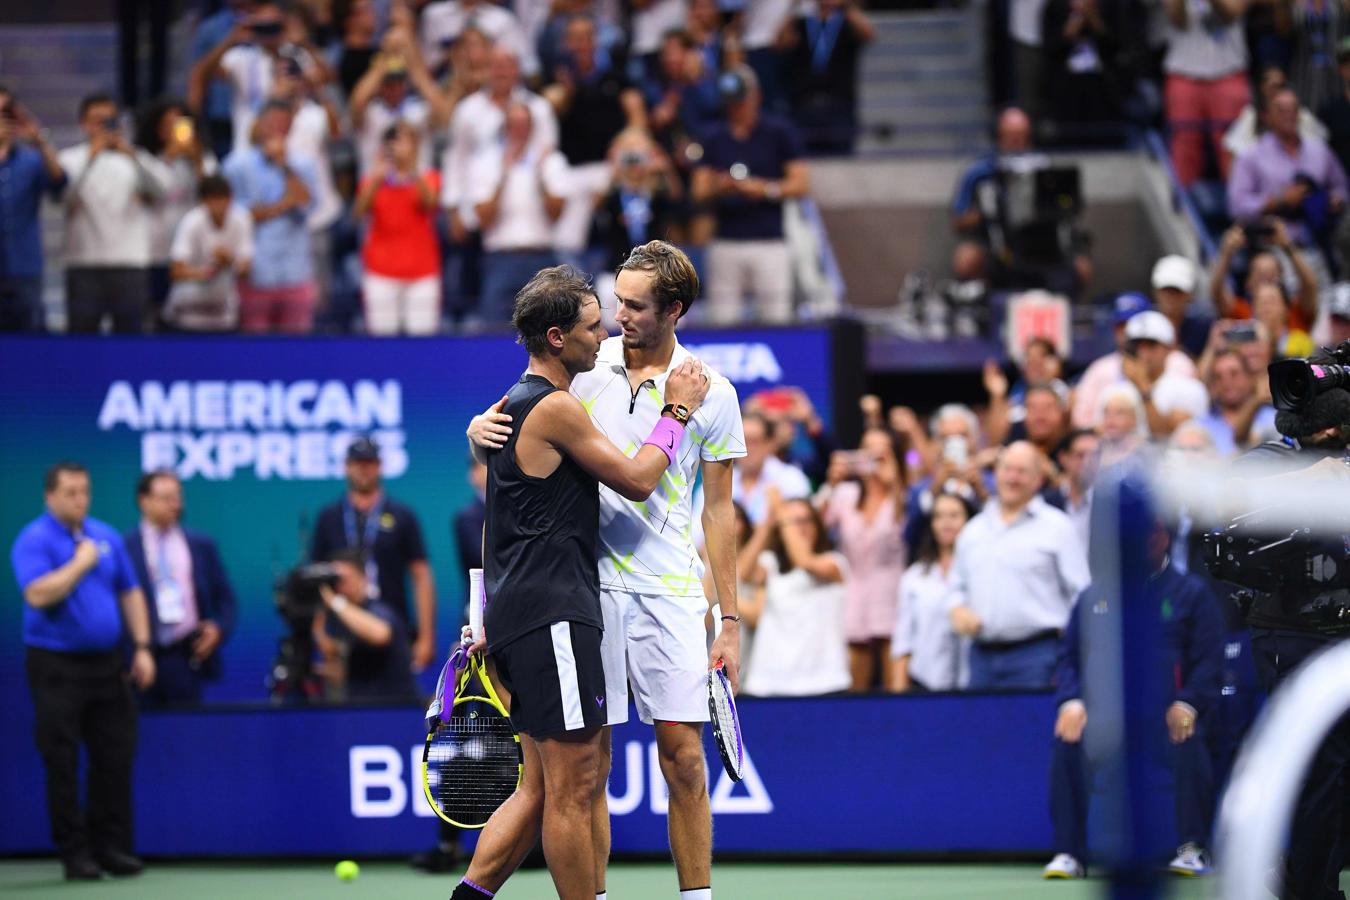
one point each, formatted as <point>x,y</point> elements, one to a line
<point>190,601</point>
<point>82,596</point>
<point>389,537</point>
<point>1316,441</point>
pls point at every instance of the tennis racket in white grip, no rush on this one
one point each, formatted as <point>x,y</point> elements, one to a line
<point>726,725</point>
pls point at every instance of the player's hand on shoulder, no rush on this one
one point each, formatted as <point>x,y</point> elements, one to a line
<point>490,428</point>
<point>688,384</point>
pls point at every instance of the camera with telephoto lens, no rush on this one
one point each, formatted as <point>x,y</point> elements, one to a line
<point>298,601</point>
<point>1295,383</point>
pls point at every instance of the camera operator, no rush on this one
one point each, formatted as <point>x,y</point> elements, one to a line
<point>1315,443</point>
<point>375,664</point>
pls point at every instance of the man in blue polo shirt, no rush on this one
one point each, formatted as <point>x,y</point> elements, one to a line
<point>751,164</point>
<point>81,593</point>
<point>28,169</point>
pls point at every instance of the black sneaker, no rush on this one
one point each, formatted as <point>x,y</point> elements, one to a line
<point>115,862</point>
<point>81,868</point>
<point>437,860</point>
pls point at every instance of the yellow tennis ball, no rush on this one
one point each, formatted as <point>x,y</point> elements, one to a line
<point>347,870</point>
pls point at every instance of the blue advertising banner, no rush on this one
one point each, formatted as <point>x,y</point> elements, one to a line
<point>257,429</point>
<point>925,774</point>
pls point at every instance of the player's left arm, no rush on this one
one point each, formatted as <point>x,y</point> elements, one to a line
<point>719,530</point>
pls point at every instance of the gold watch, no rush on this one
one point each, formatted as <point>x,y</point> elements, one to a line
<point>679,411</point>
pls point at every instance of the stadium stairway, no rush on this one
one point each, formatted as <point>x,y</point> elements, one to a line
<point>923,89</point>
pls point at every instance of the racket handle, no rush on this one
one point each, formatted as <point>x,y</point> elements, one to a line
<point>477,600</point>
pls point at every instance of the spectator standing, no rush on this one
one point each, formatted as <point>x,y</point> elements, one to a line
<point>1317,28</point>
<point>82,600</point>
<point>29,167</point>
<point>1077,457</point>
<point>797,607</point>
<point>1017,570</point>
<point>926,655</point>
<point>1335,110</point>
<point>953,466</point>
<point>1122,423</point>
<point>1251,123</point>
<point>1193,638</point>
<point>212,250</point>
<point>1174,282</point>
<point>389,538</point>
<point>444,21</point>
<point>761,27</point>
<point>467,526</point>
<point>401,287</point>
<point>761,471</point>
<point>110,207</point>
<point>652,21</point>
<point>384,96</point>
<point>517,194</point>
<point>1270,307</point>
<point>278,189</point>
<point>1085,85</point>
<point>374,665</point>
<point>822,55</point>
<point>1241,416</point>
<point>681,94</point>
<point>166,132</point>
<point>213,100</point>
<point>1286,175</point>
<point>751,165</point>
<point>188,595</point>
<point>592,96</point>
<point>1206,80</point>
<point>641,205</point>
<point>1106,370</point>
<point>1028,57</point>
<point>865,510</point>
<point>357,46</point>
<point>1270,246</point>
<point>1168,399</point>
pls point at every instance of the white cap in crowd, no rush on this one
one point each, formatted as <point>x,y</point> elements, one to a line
<point>1340,300</point>
<point>1150,325</point>
<point>1174,272</point>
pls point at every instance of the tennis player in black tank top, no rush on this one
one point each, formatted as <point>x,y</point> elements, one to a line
<point>543,611</point>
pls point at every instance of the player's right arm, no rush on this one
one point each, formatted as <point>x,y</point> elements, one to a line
<point>566,426</point>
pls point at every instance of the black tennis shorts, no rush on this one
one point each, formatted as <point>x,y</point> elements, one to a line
<point>556,679</point>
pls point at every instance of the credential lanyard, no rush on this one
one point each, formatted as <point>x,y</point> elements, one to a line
<point>822,37</point>
<point>367,543</point>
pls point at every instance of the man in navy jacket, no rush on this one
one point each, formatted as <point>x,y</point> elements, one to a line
<point>1192,632</point>
<point>191,603</point>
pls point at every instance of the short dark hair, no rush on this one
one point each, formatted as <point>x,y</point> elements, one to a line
<point>927,552</point>
<point>822,544</point>
<point>674,278</point>
<point>214,186</point>
<point>146,482</point>
<point>553,297</point>
<point>1045,344</point>
<point>53,477</point>
<point>770,428</point>
<point>1071,438</point>
<point>91,100</point>
<point>351,556</point>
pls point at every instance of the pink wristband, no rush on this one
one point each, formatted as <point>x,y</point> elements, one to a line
<point>666,436</point>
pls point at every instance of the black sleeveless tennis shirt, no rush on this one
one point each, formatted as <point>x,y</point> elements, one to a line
<point>541,536</point>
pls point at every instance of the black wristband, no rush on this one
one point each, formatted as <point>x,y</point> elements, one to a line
<point>731,618</point>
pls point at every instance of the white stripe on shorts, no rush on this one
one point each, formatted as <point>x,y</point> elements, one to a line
<point>568,685</point>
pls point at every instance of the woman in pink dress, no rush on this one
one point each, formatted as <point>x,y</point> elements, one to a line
<point>865,508</point>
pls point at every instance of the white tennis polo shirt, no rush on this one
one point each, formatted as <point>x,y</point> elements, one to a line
<point>648,547</point>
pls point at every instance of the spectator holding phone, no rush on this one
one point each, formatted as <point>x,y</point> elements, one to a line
<point>167,132</point>
<point>800,437</point>
<point>864,507</point>
<point>385,95</point>
<point>278,188</point>
<point>110,207</point>
<point>401,286</point>
<point>926,654</point>
<point>29,168</point>
<point>957,467</point>
<point>1267,247</point>
<point>212,249</point>
<point>1287,175</point>
<point>1168,400</point>
<point>797,608</point>
<point>762,471</point>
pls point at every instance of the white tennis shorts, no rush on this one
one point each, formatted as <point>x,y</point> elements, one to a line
<point>659,644</point>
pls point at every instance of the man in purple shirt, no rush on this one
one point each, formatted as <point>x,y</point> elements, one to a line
<point>1295,178</point>
<point>26,172</point>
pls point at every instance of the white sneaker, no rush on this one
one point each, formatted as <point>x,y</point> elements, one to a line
<point>1063,866</point>
<point>1191,860</point>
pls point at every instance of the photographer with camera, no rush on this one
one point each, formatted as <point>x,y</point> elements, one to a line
<point>1281,599</point>
<point>363,642</point>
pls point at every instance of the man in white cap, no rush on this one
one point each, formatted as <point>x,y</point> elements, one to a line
<point>1174,280</point>
<point>1168,399</point>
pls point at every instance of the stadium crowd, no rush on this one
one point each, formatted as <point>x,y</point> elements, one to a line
<point>404,167</point>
